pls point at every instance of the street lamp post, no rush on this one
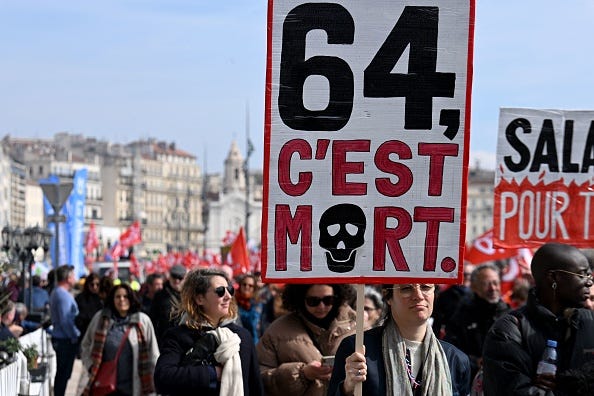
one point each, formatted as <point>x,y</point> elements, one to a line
<point>21,247</point>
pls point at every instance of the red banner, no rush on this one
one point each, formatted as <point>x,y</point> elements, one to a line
<point>482,250</point>
<point>543,179</point>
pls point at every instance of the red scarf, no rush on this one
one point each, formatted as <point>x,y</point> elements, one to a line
<point>243,301</point>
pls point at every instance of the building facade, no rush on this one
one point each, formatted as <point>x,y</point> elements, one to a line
<point>233,203</point>
<point>179,207</point>
<point>148,180</point>
<point>479,209</point>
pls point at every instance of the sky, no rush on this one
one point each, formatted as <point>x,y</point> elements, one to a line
<point>193,71</point>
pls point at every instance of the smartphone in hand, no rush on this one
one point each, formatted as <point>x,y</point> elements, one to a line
<point>328,361</point>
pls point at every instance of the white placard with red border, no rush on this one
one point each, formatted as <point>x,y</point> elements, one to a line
<point>543,182</point>
<point>366,140</point>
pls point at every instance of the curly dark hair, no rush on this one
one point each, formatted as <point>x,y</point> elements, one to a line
<point>294,296</point>
<point>134,303</point>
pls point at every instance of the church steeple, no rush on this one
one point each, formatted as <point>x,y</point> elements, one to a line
<point>234,177</point>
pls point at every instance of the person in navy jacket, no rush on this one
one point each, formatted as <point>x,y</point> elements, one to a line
<point>404,346</point>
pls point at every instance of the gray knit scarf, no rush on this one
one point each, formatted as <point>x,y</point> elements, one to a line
<point>436,372</point>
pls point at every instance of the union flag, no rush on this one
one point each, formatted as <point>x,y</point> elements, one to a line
<point>131,236</point>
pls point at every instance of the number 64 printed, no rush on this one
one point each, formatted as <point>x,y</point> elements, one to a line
<point>416,29</point>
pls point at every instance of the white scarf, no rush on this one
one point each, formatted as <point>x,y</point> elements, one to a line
<point>227,354</point>
<point>436,372</point>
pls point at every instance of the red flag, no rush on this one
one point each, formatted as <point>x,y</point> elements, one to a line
<point>482,250</point>
<point>239,255</point>
<point>149,267</point>
<point>255,260</point>
<point>92,239</point>
<point>116,251</point>
<point>161,264</point>
<point>131,236</point>
<point>134,265</point>
<point>228,238</point>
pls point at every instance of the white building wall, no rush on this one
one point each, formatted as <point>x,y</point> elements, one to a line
<point>34,214</point>
<point>5,196</point>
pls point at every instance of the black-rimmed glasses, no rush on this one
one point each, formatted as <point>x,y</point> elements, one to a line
<point>315,301</point>
<point>585,276</point>
<point>220,291</point>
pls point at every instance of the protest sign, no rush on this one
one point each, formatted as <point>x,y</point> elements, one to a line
<point>543,181</point>
<point>366,140</point>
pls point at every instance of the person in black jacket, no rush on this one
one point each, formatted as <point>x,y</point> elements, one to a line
<point>447,302</point>
<point>207,353</point>
<point>469,325</point>
<point>164,300</point>
<point>404,346</point>
<point>516,341</point>
<point>89,303</point>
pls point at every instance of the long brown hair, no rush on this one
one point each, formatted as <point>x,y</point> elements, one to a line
<point>197,282</point>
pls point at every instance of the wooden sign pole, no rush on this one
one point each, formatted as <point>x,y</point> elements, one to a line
<point>359,334</point>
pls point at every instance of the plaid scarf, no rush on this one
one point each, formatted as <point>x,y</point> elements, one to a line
<point>145,367</point>
<point>436,378</point>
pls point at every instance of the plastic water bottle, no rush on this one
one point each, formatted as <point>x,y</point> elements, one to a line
<point>548,363</point>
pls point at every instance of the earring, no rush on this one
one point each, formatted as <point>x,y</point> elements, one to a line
<point>554,285</point>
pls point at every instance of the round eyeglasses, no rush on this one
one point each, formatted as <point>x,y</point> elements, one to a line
<point>407,291</point>
<point>584,276</point>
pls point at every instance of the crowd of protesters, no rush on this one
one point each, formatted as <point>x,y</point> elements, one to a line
<point>188,331</point>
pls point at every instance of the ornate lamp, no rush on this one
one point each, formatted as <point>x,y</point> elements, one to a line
<point>6,234</point>
<point>47,237</point>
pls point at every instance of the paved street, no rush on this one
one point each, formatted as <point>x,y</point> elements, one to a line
<point>77,379</point>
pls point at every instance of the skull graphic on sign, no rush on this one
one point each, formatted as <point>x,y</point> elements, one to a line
<point>342,230</point>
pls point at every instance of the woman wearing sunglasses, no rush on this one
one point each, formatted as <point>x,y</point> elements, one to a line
<point>207,353</point>
<point>290,350</point>
<point>406,348</point>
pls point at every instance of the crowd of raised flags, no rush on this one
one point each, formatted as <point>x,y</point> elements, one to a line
<point>235,252</point>
<point>243,257</point>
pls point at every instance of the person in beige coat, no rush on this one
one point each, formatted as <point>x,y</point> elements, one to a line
<point>291,349</point>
